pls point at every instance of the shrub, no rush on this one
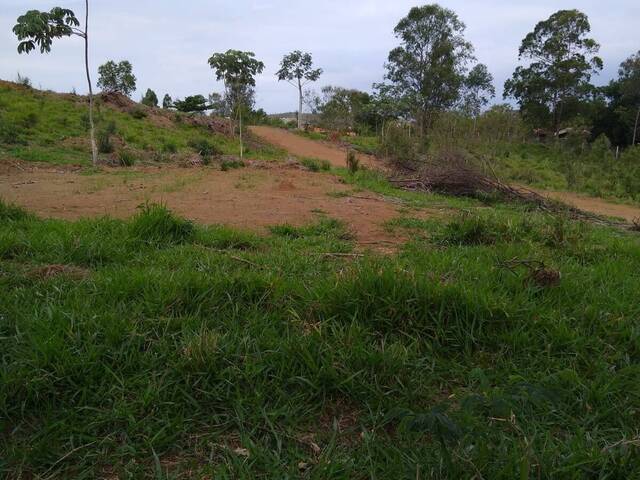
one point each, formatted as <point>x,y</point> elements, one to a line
<point>472,229</point>
<point>104,137</point>
<point>169,146</point>
<point>156,224</point>
<point>138,113</point>
<point>126,158</point>
<point>398,145</point>
<point>353,164</point>
<point>30,120</point>
<point>24,81</point>
<point>10,212</point>
<point>231,164</point>
<point>316,165</point>
<point>205,148</point>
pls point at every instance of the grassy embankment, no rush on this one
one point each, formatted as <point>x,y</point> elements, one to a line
<point>53,128</point>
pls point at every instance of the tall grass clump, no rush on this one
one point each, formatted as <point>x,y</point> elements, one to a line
<point>12,213</point>
<point>156,224</point>
<point>353,164</point>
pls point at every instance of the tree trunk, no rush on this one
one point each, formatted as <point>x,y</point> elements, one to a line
<point>635,129</point>
<point>299,105</point>
<point>94,147</point>
<point>241,146</point>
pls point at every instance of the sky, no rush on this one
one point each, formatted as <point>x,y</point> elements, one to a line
<point>169,41</point>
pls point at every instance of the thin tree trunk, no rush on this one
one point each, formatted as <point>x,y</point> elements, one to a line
<point>94,147</point>
<point>635,129</point>
<point>241,146</point>
<point>299,105</point>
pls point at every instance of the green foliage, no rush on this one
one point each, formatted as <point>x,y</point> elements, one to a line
<point>167,101</point>
<point>316,165</point>
<point>138,113</point>
<point>37,29</point>
<point>127,157</point>
<point>155,224</point>
<point>427,72</point>
<point>227,165</point>
<point>12,213</point>
<point>194,103</point>
<point>117,77</point>
<point>399,145</point>
<point>562,61</point>
<point>104,137</point>
<point>204,147</point>
<point>150,99</point>
<point>434,356</point>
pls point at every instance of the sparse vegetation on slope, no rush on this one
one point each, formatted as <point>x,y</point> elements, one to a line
<point>48,127</point>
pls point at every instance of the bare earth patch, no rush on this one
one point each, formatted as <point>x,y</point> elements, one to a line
<point>250,198</point>
<point>304,147</point>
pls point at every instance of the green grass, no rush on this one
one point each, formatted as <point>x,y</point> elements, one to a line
<point>52,128</point>
<point>164,349</point>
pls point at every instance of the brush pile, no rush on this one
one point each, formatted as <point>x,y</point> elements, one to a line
<point>451,173</point>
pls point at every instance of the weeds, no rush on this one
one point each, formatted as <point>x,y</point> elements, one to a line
<point>156,225</point>
<point>353,164</point>
<point>316,165</point>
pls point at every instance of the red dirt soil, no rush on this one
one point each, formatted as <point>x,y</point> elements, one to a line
<point>251,198</point>
<point>304,147</point>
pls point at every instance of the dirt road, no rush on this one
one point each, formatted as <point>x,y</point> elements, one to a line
<point>304,147</point>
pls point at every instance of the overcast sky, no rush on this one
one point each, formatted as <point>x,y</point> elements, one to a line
<point>169,41</point>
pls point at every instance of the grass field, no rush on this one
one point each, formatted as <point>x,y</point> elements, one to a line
<point>161,349</point>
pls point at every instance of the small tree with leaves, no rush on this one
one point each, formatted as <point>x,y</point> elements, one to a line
<point>150,98</point>
<point>297,69</point>
<point>117,77</point>
<point>237,70</point>
<point>629,82</point>
<point>36,29</point>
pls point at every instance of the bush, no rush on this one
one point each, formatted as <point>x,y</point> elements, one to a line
<point>126,158</point>
<point>353,164</point>
<point>398,145</point>
<point>138,113</point>
<point>204,148</point>
<point>10,212</point>
<point>24,81</point>
<point>170,146</point>
<point>30,120</point>
<point>157,225</point>
<point>316,165</point>
<point>104,137</point>
<point>231,164</point>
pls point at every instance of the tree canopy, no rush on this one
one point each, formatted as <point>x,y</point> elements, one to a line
<point>36,29</point>
<point>562,61</point>
<point>117,77</point>
<point>150,98</point>
<point>297,69</point>
<point>426,73</point>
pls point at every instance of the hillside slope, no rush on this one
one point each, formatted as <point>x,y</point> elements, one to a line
<point>53,128</point>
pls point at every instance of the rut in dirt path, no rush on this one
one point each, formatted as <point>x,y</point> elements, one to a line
<point>305,147</point>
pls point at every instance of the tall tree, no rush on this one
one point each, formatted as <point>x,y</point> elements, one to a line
<point>167,101</point>
<point>297,69</point>
<point>562,61</point>
<point>630,89</point>
<point>478,90</point>
<point>426,72</point>
<point>37,29</point>
<point>237,70</point>
<point>150,98</point>
<point>117,77</point>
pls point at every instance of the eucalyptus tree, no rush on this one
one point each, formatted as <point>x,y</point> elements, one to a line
<point>237,70</point>
<point>629,83</point>
<point>561,59</point>
<point>36,29</point>
<point>167,101</point>
<point>150,98</point>
<point>426,73</point>
<point>297,69</point>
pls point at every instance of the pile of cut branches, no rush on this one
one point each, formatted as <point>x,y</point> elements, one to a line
<point>452,173</point>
